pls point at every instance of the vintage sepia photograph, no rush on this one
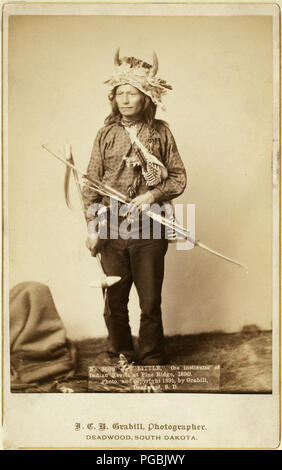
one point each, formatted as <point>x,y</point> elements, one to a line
<point>141,220</point>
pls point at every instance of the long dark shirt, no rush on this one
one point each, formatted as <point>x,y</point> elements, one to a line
<point>113,150</point>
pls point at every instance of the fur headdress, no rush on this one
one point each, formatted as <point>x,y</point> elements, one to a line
<point>141,75</point>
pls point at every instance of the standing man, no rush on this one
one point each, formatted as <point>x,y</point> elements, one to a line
<point>135,154</point>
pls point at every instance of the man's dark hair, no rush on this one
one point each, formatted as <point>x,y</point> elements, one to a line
<point>149,110</point>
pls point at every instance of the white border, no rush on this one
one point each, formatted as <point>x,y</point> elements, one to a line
<point>33,404</point>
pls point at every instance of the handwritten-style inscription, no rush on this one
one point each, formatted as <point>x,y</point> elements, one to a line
<point>155,379</point>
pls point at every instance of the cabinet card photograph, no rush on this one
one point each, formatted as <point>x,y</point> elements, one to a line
<point>141,234</point>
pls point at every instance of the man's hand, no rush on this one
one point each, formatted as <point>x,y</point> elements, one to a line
<point>139,201</point>
<point>92,243</point>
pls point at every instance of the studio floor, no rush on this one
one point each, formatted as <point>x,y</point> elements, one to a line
<point>245,360</point>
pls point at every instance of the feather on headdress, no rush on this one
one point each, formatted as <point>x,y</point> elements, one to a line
<point>141,75</point>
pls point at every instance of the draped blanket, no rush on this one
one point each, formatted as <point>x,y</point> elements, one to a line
<point>39,347</point>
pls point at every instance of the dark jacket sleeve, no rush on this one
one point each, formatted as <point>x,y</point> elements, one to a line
<point>176,182</point>
<point>95,171</point>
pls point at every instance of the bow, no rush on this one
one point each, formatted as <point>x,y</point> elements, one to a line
<point>107,190</point>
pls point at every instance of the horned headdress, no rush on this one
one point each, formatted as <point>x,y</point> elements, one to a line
<point>141,75</point>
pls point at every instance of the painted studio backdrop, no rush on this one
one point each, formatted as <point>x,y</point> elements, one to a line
<point>220,112</point>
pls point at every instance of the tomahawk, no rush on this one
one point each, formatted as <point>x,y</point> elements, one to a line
<point>104,280</point>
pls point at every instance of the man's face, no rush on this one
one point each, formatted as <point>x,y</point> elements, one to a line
<point>129,100</point>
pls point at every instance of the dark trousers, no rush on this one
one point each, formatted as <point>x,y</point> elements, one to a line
<point>140,262</point>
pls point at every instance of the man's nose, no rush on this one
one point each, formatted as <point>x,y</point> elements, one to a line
<point>125,98</point>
